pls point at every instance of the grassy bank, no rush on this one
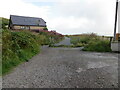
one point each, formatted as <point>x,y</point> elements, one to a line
<point>91,42</point>
<point>18,47</point>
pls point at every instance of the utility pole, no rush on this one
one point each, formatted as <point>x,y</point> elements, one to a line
<point>115,20</point>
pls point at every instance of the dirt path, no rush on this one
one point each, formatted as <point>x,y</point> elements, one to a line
<point>66,41</point>
<point>65,68</point>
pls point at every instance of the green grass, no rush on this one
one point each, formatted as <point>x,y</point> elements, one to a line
<point>91,42</point>
<point>99,46</point>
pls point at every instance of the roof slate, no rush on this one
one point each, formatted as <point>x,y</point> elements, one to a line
<point>23,20</point>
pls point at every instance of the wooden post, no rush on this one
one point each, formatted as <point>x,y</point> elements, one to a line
<point>115,20</point>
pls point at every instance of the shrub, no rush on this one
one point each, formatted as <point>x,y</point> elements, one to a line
<point>4,22</point>
<point>17,47</point>
<point>91,42</point>
<point>23,40</point>
<point>42,39</point>
<point>83,38</point>
<point>45,28</point>
<point>51,37</point>
<point>20,46</point>
<point>99,46</point>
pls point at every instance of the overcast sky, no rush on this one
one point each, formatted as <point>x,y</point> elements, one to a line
<point>66,16</point>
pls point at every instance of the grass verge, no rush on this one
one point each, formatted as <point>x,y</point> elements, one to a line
<point>91,42</point>
<point>17,47</point>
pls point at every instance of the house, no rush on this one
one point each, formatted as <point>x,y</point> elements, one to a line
<point>26,23</point>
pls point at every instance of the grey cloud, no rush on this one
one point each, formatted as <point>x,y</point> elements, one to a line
<point>101,12</point>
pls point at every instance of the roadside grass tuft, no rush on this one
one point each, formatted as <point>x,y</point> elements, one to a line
<point>99,46</point>
<point>91,42</point>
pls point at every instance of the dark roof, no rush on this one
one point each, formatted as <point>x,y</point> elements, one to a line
<point>23,20</point>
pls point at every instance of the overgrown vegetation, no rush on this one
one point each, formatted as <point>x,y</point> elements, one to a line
<point>51,37</point>
<point>4,22</point>
<point>20,46</point>
<point>91,42</point>
<point>99,46</point>
<point>17,47</point>
<point>45,28</point>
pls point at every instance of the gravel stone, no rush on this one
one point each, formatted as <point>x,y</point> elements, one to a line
<point>56,68</point>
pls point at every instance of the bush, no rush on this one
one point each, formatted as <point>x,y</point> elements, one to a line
<point>99,46</point>
<point>91,42</point>
<point>42,39</point>
<point>4,22</point>
<point>83,39</point>
<point>17,47</point>
<point>20,46</point>
<point>51,37</point>
<point>23,40</point>
<point>45,28</point>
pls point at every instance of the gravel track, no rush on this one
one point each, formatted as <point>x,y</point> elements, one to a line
<point>65,68</point>
<point>66,41</point>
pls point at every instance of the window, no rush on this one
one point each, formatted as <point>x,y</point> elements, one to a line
<point>27,27</point>
<point>22,27</point>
